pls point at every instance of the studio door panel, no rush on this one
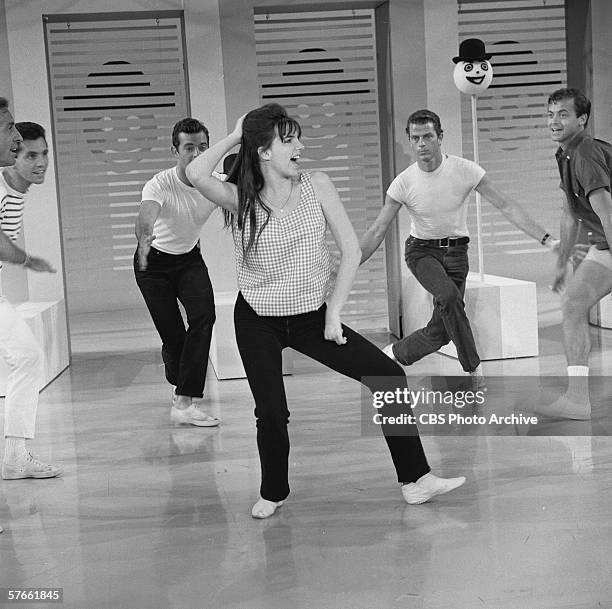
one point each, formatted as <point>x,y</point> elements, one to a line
<point>118,85</point>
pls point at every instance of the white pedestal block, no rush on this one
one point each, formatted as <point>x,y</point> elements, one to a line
<point>503,313</point>
<point>47,320</point>
<point>224,355</point>
<point>601,314</point>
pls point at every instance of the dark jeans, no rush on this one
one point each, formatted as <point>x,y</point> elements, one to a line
<point>261,341</point>
<point>442,271</point>
<point>171,278</point>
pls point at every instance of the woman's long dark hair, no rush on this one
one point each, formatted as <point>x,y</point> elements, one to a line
<point>259,128</point>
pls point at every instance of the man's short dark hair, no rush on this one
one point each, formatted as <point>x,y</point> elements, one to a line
<point>187,125</point>
<point>3,103</point>
<point>31,131</point>
<point>582,104</point>
<point>422,117</point>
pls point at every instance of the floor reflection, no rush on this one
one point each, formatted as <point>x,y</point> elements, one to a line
<point>153,516</point>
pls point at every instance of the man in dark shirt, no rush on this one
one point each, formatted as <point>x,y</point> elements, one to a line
<point>585,167</point>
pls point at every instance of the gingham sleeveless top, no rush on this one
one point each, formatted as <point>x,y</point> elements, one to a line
<point>288,271</point>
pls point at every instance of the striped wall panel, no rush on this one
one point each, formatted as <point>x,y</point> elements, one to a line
<point>117,88</point>
<point>322,67</point>
<point>527,41</point>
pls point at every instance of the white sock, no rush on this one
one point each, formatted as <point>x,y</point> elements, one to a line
<point>577,371</point>
<point>182,402</point>
<point>578,383</point>
<point>14,449</point>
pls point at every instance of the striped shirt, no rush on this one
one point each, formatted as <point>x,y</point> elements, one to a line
<point>288,270</point>
<point>11,210</point>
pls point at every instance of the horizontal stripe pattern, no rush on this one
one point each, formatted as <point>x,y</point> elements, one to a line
<point>117,88</point>
<point>11,211</point>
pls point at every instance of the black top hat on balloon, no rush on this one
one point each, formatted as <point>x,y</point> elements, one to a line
<point>472,49</point>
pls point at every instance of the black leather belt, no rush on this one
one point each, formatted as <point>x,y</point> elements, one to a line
<point>446,242</point>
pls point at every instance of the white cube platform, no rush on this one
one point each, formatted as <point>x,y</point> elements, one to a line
<point>223,354</point>
<point>601,314</point>
<point>47,320</point>
<point>503,313</point>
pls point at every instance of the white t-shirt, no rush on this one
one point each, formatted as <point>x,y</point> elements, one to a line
<point>183,212</point>
<point>437,200</point>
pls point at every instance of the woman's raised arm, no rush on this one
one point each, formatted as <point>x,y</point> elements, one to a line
<point>200,171</point>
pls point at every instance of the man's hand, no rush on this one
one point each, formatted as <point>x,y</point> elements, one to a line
<point>333,328</point>
<point>144,247</point>
<point>553,245</point>
<point>39,265</point>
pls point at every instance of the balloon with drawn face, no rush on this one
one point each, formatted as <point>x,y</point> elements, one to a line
<point>473,72</point>
<point>473,77</point>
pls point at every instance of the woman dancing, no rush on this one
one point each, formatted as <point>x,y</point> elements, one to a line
<point>278,216</point>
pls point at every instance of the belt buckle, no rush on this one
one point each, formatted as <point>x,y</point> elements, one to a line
<point>447,245</point>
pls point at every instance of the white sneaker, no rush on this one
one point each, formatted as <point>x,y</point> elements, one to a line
<point>264,508</point>
<point>31,467</point>
<point>388,351</point>
<point>192,416</point>
<point>429,486</point>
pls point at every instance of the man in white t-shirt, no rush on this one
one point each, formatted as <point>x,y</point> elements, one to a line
<point>18,345</point>
<point>435,192</point>
<point>169,269</point>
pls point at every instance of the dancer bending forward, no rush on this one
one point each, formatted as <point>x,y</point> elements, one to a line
<point>279,217</point>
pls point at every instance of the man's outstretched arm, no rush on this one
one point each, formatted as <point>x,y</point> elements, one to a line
<point>372,238</point>
<point>513,211</point>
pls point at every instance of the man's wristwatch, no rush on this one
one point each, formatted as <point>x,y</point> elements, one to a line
<point>549,241</point>
<point>545,238</point>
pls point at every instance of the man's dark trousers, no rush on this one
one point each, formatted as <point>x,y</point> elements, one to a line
<point>442,271</point>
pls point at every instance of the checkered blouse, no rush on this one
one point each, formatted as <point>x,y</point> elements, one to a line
<point>288,271</point>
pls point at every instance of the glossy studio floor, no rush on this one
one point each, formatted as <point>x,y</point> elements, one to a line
<point>153,516</point>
